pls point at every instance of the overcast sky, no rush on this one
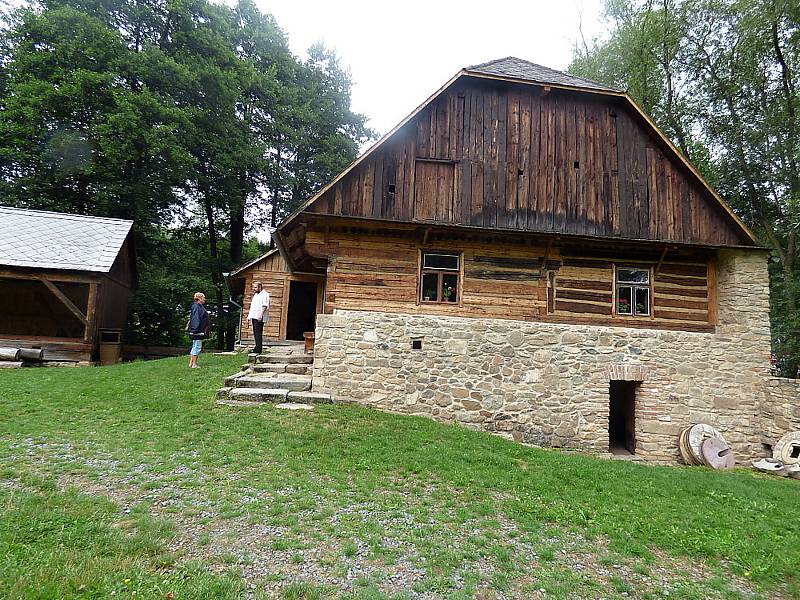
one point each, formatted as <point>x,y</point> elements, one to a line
<point>402,51</point>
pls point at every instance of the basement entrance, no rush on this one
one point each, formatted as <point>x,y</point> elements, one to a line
<point>621,417</point>
<point>302,310</point>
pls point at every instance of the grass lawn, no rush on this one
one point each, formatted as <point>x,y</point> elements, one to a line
<point>128,482</point>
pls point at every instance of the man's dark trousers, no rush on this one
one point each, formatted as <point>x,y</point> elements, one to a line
<point>258,333</point>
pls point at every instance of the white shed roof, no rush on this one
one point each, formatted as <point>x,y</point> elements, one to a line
<point>50,240</point>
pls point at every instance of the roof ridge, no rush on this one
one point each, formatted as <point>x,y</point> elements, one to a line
<point>578,80</point>
<point>493,61</point>
<point>63,215</point>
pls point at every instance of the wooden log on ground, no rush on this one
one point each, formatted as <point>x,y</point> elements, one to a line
<point>7,364</point>
<point>11,354</point>
<point>35,354</point>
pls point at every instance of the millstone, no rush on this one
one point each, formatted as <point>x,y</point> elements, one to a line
<point>717,454</point>
<point>695,438</point>
<point>787,450</point>
<point>683,445</point>
<point>770,465</point>
<point>793,471</point>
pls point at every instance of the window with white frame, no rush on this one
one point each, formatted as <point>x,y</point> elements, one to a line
<point>633,291</point>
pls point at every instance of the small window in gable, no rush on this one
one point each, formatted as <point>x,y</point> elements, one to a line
<point>633,292</point>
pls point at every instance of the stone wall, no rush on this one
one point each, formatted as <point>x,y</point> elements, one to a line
<point>781,409</point>
<point>548,384</point>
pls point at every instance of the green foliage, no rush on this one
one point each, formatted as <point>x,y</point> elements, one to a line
<point>184,115</point>
<point>177,268</point>
<point>721,77</point>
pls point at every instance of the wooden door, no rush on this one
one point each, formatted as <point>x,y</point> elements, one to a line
<point>433,191</point>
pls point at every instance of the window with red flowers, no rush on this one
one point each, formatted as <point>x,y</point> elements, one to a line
<point>439,277</point>
<point>633,291</point>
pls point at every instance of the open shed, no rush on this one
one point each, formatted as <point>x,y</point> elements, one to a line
<point>65,282</point>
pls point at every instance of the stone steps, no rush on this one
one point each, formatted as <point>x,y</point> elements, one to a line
<point>258,394</point>
<point>288,359</point>
<point>295,369</point>
<point>279,376</point>
<point>293,384</point>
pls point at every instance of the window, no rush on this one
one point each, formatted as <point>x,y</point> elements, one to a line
<point>633,292</point>
<point>439,277</point>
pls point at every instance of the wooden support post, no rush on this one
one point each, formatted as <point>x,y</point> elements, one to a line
<point>66,301</point>
<point>91,310</point>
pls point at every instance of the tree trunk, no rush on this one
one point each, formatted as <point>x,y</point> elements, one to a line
<point>216,272</point>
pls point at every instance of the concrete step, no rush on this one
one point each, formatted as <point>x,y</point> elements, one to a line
<point>269,368</point>
<point>309,398</point>
<point>293,359</point>
<point>273,381</point>
<point>258,395</point>
<point>229,402</point>
<point>279,368</point>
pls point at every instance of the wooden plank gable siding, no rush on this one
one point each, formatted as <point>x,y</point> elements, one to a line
<point>273,274</point>
<point>521,159</point>
<point>372,271</point>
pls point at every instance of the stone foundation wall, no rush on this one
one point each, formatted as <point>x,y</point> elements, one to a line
<point>548,384</point>
<point>781,409</point>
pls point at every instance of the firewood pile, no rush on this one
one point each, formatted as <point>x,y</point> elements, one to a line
<point>12,358</point>
<point>785,460</point>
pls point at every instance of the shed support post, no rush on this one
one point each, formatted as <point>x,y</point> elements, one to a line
<point>91,311</point>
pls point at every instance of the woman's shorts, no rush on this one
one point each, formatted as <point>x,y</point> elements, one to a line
<point>197,346</point>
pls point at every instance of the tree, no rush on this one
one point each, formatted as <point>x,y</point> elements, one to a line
<point>721,78</point>
<point>191,118</point>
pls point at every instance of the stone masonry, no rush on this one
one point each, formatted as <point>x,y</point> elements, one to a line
<point>548,384</point>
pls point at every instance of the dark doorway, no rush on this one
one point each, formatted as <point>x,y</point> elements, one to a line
<point>621,417</point>
<point>302,311</point>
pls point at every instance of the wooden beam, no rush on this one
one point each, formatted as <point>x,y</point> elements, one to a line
<point>287,287</point>
<point>66,301</point>
<point>425,236</point>
<point>91,309</point>
<point>278,239</point>
<point>36,276</point>
<point>546,254</point>
<point>660,262</point>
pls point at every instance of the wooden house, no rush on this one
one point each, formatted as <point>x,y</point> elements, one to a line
<point>522,199</point>
<point>65,281</point>
<point>301,291</point>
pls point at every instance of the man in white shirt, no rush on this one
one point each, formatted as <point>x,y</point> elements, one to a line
<point>259,313</point>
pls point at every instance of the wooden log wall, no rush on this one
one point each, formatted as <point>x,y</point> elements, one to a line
<point>681,293</point>
<point>510,157</point>
<point>376,273</point>
<point>506,281</point>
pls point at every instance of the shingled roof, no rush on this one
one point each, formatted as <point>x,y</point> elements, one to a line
<point>50,240</point>
<point>517,68</point>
